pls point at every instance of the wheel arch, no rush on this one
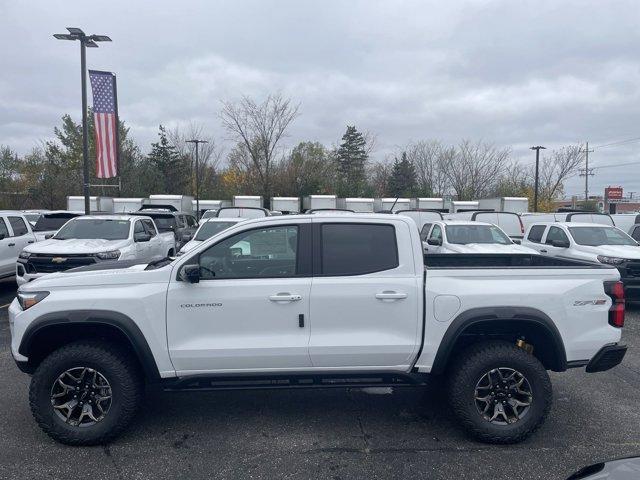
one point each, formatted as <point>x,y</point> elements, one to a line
<point>50,331</point>
<point>487,323</point>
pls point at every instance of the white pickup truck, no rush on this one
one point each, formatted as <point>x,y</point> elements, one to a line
<point>90,239</point>
<point>314,301</point>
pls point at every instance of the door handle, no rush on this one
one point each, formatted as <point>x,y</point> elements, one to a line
<point>543,251</point>
<point>30,241</point>
<point>12,245</point>
<point>388,295</point>
<point>285,297</point>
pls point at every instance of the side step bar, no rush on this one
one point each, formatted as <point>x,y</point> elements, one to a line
<point>261,382</point>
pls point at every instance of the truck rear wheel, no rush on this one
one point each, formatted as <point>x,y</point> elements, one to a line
<point>499,392</point>
<point>85,393</point>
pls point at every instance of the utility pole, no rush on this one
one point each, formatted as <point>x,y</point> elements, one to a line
<point>535,185</point>
<point>588,172</point>
<point>85,41</point>
<point>197,144</point>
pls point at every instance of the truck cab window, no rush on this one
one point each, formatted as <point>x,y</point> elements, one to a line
<point>436,232</point>
<point>535,234</point>
<point>261,253</point>
<point>425,231</point>
<point>356,249</point>
<point>556,233</point>
<point>18,226</point>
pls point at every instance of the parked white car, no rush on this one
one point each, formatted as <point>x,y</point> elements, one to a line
<point>90,239</point>
<point>15,234</point>
<point>207,229</point>
<point>455,236</point>
<point>591,242</point>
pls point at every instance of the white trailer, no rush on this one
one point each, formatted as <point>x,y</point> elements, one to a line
<point>96,204</point>
<point>357,204</point>
<point>313,202</point>
<point>285,204</point>
<point>182,203</point>
<point>505,204</point>
<point>456,206</point>
<point>254,201</point>
<point>386,204</point>
<point>125,205</point>
<point>425,203</point>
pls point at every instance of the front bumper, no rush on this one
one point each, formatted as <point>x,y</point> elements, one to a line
<point>608,357</point>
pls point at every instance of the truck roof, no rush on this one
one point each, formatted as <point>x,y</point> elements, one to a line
<point>573,224</point>
<point>105,217</point>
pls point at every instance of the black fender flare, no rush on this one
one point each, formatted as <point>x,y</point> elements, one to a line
<point>475,316</point>
<point>117,320</point>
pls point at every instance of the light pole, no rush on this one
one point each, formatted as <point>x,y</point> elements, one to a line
<point>85,41</point>
<point>535,183</point>
<point>197,144</point>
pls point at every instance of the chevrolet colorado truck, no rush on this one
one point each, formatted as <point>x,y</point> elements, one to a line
<point>334,300</point>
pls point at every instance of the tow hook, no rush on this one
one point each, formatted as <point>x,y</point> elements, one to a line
<point>527,347</point>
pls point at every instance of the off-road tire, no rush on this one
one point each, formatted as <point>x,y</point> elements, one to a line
<point>117,366</point>
<point>475,362</point>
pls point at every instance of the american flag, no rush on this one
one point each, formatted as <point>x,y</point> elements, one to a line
<point>105,116</point>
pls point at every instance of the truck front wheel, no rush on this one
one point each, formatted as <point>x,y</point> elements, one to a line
<point>85,393</point>
<point>499,392</point>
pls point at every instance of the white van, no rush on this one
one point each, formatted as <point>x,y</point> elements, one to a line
<point>508,221</point>
<point>421,216</point>
<point>585,217</point>
<point>626,221</point>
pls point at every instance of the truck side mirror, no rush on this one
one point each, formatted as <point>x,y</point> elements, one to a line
<point>190,273</point>
<point>560,243</point>
<point>434,241</point>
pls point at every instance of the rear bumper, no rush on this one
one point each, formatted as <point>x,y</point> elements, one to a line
<point>608,357</point>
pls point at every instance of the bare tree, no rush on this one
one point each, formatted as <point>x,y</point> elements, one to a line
<point>259,127</point>
<point>427,158</point>
<point>474,168</point>
<point>209,154</point>
<point>556,169</point>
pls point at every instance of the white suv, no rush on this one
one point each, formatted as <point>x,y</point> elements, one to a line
<point>90,239</point>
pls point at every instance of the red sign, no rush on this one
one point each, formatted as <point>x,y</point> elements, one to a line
<point>613,193</point>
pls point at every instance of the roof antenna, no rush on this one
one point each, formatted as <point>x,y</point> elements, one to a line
<point>394,204</point>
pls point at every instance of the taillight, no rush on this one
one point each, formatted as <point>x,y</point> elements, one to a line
<point>615,290</point>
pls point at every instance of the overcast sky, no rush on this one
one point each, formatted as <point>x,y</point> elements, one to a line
<point>516,73</point>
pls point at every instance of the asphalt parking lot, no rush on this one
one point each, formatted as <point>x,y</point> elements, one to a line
<point>333,433</point>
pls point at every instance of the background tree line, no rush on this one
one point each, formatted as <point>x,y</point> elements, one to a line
<point>258,163</point>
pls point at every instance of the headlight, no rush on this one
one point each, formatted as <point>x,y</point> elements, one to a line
<point>112,255</point>
<point>28,300</point>
<point>610,260</point>
<point>24,255</point>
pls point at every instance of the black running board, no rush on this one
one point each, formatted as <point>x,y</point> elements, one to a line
<point>293,381</point>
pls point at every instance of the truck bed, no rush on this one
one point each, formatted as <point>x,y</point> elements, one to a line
<point>503,260</point>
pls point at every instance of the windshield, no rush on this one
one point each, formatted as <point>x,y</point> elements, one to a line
<point>595,236</point>
<point>209,229</point>
<point>464,234</point>
<point>51,222</point>
<point>94,228</point>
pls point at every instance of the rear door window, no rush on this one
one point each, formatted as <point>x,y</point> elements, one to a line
<point>535,234</point>
<point>149,227</point>
<point>357,248</point>
<point>4,231</point>
<point>18,226</point>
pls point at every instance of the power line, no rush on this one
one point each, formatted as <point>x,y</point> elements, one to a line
<point>617,165</point>
<point>621,142</point>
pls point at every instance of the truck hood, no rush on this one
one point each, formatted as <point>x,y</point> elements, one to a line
<point>75,246</point>
<point>489,248</point>
<point>620,251</point>
<point>131,273</point>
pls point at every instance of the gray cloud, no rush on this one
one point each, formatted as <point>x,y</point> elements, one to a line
<point>513,73</point>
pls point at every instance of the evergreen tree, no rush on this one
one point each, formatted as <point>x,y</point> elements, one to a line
<point>402,182</point>
<point>351,159</point>
<point>172,169</point>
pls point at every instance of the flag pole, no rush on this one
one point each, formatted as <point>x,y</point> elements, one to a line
<point>115,98</point>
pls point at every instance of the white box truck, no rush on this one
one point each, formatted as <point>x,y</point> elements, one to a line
<point>505,204</point>
<point>387,204</point>
<point>96,204</point>
<point>182,203</point>
<point>210,205</point>
<point>285,204</point>
<point>314,202</point>
<point>125,205</point>
<point>424,203</point>
<point>357,204</point>
<point>463,205</point>
<point>254,201</point>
